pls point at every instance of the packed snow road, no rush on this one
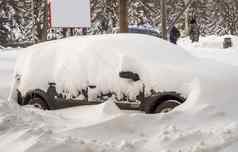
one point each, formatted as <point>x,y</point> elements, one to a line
<point>206,122</point>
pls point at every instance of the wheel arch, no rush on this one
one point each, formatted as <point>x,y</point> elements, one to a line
<point>151,104</point>
<point>19,98</point>
<point>39,94</point>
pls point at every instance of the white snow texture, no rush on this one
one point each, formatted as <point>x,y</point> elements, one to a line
<point>204,72</point>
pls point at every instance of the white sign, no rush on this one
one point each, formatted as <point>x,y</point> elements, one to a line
<point>70,13</point>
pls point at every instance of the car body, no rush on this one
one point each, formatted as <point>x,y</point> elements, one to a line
<point>141,30</point>
<point>127,68</point>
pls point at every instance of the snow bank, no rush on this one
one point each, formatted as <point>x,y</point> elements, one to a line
<point>210,47</point>
<point>28,127</point>
<point>212,42</point>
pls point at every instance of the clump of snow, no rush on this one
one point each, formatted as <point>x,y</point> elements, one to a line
<point>110,107</point>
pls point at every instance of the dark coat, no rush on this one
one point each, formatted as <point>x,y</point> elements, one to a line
<point>174,35</point>
<point>194,32</point>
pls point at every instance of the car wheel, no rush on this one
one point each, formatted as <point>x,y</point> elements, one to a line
<point>166,106</point>
<point>38,103</point>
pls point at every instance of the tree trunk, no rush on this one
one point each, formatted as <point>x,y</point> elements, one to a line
<point>163,19</point>
<point>45,24</point>
<point>186,22</point>
<point>34,23</point>
<point>123,16</point>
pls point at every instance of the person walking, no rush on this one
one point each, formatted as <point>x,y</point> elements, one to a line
<point>194,31</point>
<point>174,35</point>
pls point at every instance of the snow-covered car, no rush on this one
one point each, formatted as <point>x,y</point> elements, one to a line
<point>141,30</point>
<point>131,69</point>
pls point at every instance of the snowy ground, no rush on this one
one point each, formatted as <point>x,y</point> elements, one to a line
<point>207,122</point>
<point>7,60</point>
<point>211,47</point>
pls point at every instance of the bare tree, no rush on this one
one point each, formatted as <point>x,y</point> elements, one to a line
<point>123,16</point>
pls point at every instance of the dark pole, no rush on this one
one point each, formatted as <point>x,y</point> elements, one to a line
<point>163,19</point>
<point>123,16</point>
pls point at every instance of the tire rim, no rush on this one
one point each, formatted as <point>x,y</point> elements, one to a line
<point>37,105</point>
<point>166,110</point>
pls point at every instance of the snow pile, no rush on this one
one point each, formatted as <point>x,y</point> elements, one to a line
<point>206,122</point>
<point>17,133</point>
<point>25,127</point>
<point>77,62</point>
<point>160,65</point>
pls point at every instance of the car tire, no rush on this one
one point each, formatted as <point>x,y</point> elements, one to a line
<point>38,103</point>
<point>166,106</point>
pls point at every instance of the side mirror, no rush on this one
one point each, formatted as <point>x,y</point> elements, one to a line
<point>18,77</point>
<point>129,75</point>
